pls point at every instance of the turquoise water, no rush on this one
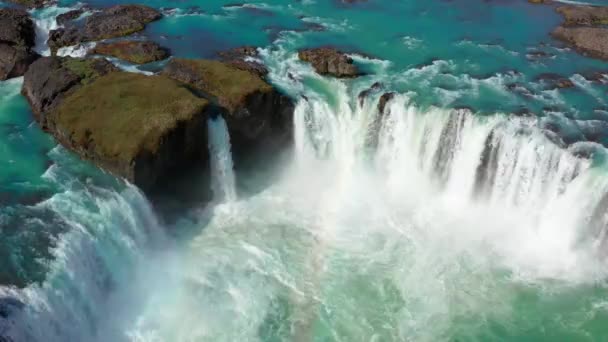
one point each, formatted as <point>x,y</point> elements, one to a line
<point>345,242</point>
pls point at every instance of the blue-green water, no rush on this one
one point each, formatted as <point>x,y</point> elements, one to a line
<point>403,242</point>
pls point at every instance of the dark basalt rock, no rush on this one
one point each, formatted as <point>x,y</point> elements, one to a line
<point>138,52</point>
<point>256,113</point>
<point>240,58</point>
<point>16,27</point>
<point>592,41</point>
<point>67,36</point>
<point>15,61</point>
<point>69,16</point>
<point>384,99</point>
<point>113,22</point>
<point>377,86</point>
<point>330,61</point>
<point>17,38</point>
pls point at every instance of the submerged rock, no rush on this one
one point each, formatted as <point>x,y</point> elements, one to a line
<point>592,41</point>
<point>329,61</point>
<point>554,81</point>
<point>17,39</point>
<point>113,22</point>
<point>138,52</point>
<point>255,112</point>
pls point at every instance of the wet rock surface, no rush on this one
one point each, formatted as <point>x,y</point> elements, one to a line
<point>112,22</point>
<point>330,61</point>
<point>17,39</point>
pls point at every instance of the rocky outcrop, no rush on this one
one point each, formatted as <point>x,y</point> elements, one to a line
<point>50,79</point>
<point>119,21</point>
<point>329,61</point>
<point>592,41</point>
<point>149,128</point>
<point>583,29</point>
<point>244,58</point>
<point>142,128</point>
<point>67,17</point>
<point>138,52</point>
<point>255,112</point>
<point>584,15</point>
<point>116,21</point>
<point>17,38</point>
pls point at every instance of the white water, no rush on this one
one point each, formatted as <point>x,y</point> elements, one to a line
<point>222,169</point>
<point>110,233</point>
<point>415,225</point>
<point>413,241</point>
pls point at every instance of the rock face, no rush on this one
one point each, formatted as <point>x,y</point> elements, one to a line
<point>138,52</point>
<point>255,112</point>
<point>116,21</point>
<point>584,15</point>
<point>329,61</point>
<point>17,38</point>
<point>592,41</point>
<point>142,128</point>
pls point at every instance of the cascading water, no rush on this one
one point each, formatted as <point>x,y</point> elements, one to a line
<point>455,227</point>
<point>415,224</point>
<point>108,234</point>
<point>222,168</point>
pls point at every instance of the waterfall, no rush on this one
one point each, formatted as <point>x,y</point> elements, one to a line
<point>222,169</point>
<point>536,196</point>
<point>110,233</point>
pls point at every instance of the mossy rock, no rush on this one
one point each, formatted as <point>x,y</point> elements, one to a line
<point>229,85</point>
<point>257,115</point>
<point>138,127</point>
<point>138,52</point>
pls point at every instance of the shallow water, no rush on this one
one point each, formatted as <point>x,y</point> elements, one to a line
<point>468,224</point>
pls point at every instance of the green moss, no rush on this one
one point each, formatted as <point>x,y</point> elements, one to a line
<point>81,67</point>
<point>122,114</point>
<point>228,84</point>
